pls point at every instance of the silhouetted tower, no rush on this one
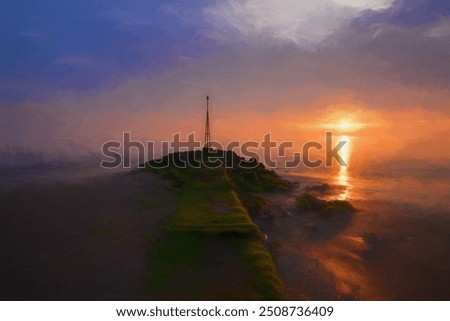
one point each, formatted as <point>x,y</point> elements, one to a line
<point>207,129</point>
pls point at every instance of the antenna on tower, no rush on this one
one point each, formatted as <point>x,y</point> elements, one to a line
<point>207,129</point>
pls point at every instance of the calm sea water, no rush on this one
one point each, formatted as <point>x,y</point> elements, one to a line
<point>396,246</point>
<point>52,173</point>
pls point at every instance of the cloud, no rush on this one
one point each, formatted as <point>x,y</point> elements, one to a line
<point>408,13</point>
<point>257,65</point>
<point>414,56</point>
<point>304,23</point>
<point>366,4</point>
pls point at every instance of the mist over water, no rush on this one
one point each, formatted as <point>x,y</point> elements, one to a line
<point>42,174</point>
<point>394,247</point>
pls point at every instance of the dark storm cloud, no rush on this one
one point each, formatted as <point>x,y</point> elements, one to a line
<point>412,37</point>
<point>407,13</point>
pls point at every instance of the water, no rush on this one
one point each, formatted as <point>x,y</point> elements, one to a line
<point>52,173</point>
<point>395,247</point>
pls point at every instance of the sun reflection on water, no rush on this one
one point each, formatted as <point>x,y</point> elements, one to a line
<point>343,176</point>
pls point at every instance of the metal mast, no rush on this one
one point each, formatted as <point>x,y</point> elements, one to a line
<point>207,129</point>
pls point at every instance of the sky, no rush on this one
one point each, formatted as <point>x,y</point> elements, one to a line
<point>74,74</point>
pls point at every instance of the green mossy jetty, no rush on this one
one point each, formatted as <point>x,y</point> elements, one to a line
<point>212,248</point>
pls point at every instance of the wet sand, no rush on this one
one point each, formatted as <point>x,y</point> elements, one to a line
<point>80,240</point>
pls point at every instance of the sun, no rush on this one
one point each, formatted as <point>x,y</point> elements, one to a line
<point>343,119</point>
<point>345,125</point>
